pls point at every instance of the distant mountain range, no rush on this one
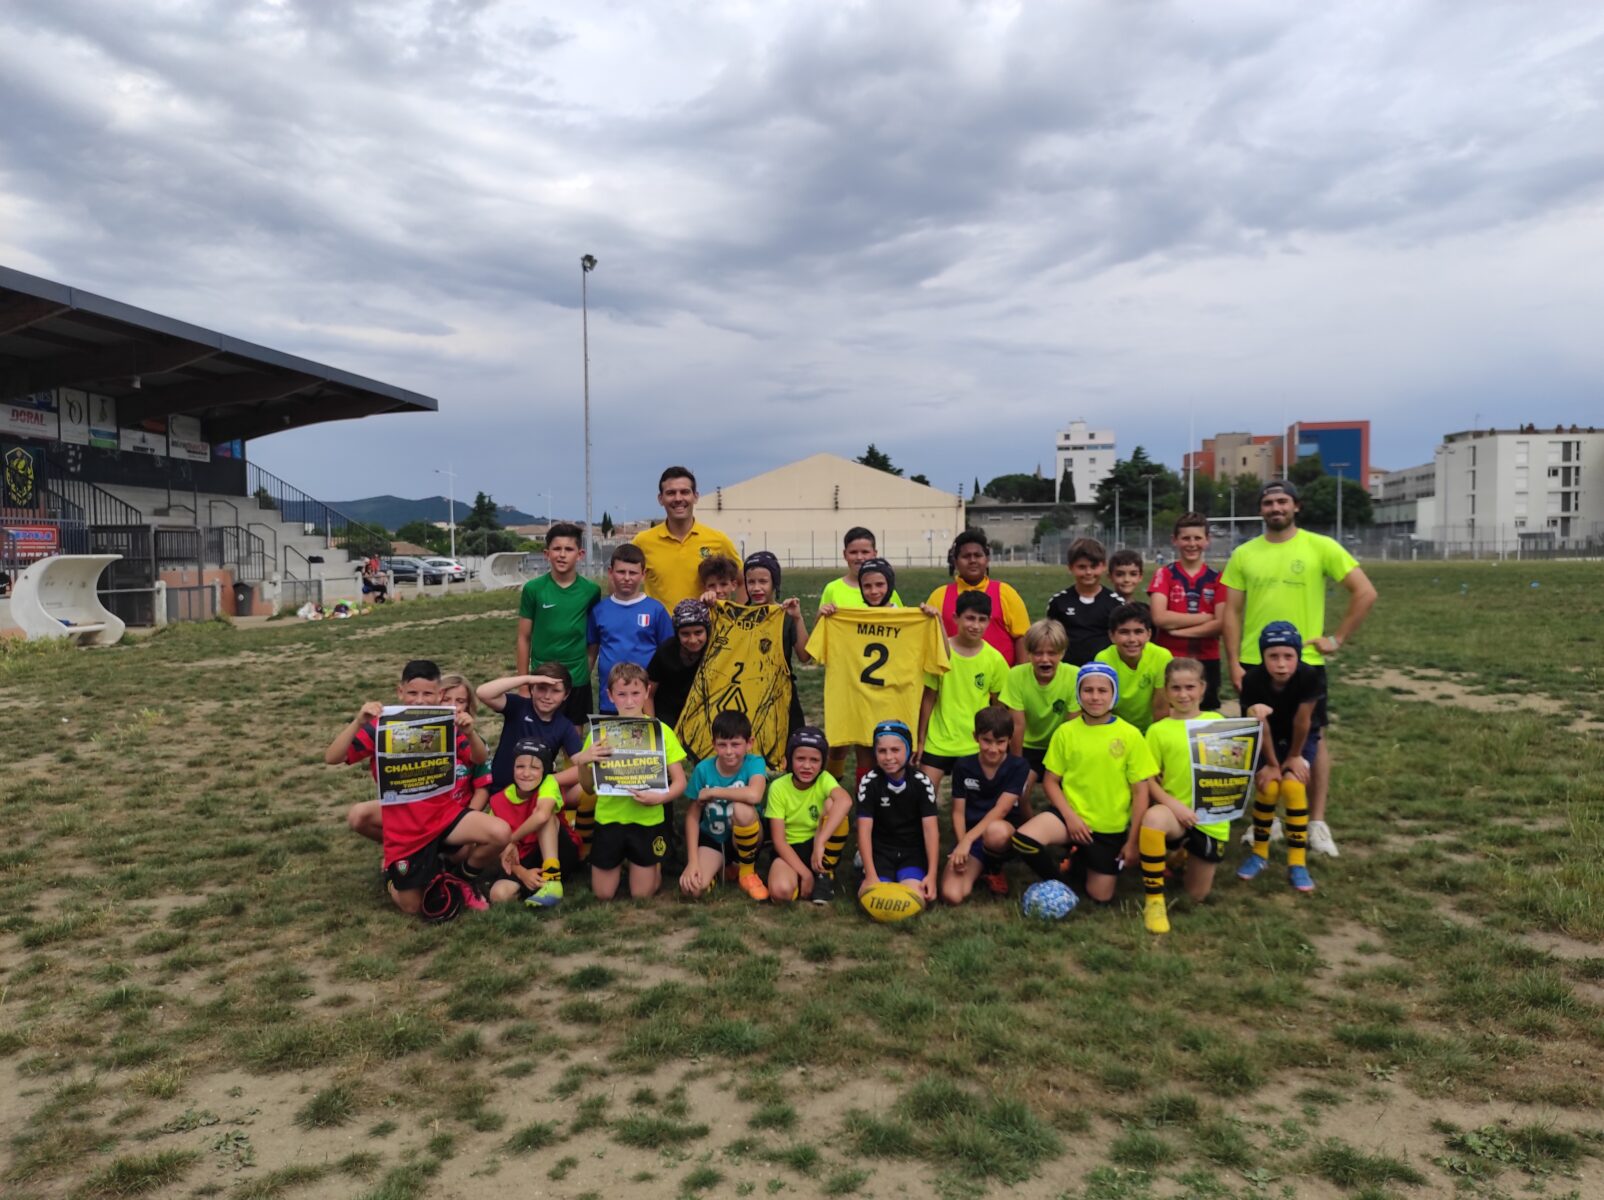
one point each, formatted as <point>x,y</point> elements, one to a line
<point>392,512</point>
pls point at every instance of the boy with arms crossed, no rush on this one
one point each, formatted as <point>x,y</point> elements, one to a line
<point>1097,773</point>
<point>807,815</point>
<point>1169,820</point>
<point>1188,601</point>
<point>726,795</point>
<point>988,790</point>
<point>553,612</point>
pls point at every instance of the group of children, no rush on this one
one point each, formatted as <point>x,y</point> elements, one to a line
<point>1064,741</point>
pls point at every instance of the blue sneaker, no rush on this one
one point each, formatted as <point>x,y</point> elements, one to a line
<point>1298,877</point>
<point>549,895</point>
<point>1252,867</point>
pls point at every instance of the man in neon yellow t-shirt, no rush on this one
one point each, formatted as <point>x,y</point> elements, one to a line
<point>1280,576</point>
<point>677,547</point>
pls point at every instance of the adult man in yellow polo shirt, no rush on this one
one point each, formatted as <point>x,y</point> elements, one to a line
<point>677,547</point>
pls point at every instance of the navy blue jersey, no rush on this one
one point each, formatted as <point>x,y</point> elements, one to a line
<point>980,795</point>
<point>519,721</point>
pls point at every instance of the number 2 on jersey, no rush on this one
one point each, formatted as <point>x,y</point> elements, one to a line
<point>876,653</point>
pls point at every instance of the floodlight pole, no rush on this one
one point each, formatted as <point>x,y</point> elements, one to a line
<point>1189,461</point>
<point>451,505</point>
<point>587,264</point>
<point>1339,467</point>
<point>1150,514</point>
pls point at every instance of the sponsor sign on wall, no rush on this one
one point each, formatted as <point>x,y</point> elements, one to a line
<point>31,416</point>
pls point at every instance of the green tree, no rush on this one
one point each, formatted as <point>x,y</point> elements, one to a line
<point>1318,504</point>
<point>1066,488</point>
<point>1306,470</point>
<point>1129,480</point>
<point>422,533</point>
<point>878,459</point>
<point>919,479</point>
<point>1062,516</point>
<point>976,492</point>
<point>483,515</point>
<point>607,525</point>
<point>1020,489</point>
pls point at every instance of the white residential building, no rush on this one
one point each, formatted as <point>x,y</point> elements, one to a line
<point>1519,487</point>
<point>1088,456</point>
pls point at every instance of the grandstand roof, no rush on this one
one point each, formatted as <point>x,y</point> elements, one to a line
<point>52,335</point>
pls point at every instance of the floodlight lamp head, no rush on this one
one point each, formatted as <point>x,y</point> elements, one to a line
<point>587,262</point>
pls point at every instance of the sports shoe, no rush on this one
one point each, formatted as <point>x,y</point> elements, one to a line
<point>1275,832</point>
<point>548,895</point>
<point>1320,839</point>
<point>1298,877</point>
<point>1252,867</point>
<point>1155,914</point>
<point>470,894</point>
<point>823,888</point>
<point>753,886</point>
<point>996,882</point>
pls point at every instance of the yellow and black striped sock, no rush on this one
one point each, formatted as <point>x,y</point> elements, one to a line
<point>1264,801</point>
<point>1155,914</point>
<point>747,838</point>
<point>1297,822</point>
<point>585,823</point>
<point>552,871</point>
<point>833,845</point>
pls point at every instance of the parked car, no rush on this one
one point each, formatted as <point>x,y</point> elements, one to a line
<point>410,570</point>
<point>450,568</point>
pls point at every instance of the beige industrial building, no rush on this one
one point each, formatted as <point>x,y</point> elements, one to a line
<point>801,510</point>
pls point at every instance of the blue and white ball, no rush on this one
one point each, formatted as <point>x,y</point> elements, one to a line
<point>1048,900</point>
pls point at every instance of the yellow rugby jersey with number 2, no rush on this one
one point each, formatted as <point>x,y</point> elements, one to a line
<point>875,662</point>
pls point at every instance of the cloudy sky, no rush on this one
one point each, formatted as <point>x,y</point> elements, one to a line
<point>946,228</point>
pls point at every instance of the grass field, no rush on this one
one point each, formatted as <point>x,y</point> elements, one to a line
<point>204,992</point>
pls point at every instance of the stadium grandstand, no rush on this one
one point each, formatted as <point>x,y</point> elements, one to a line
<point>126,432</point>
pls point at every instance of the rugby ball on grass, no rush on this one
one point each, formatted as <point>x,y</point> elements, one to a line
<point>1048,900</point>
<point>888,902</point>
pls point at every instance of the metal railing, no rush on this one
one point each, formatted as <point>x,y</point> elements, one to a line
<point>284,567</point>
<point>238,550</point>
<point>211,504</point>
<point>296,507</point>
<point>272,533</point>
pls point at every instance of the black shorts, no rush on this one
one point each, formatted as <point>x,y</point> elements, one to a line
<point>1036,756</point>
<point>1100,856</point>
<point>940,762</point>
<point>1311,746</point>
<point>418,870</point>
<point>641,845</point>
<point>1199,845</point>
<point>533,861</point>
<point>895,864</point>
<point>803,850</point>
<point>1211,685</point>
<point>580,704</point>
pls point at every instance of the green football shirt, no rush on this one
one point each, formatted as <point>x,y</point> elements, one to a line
<point>1168,743</point>
<point>1045,708</point>
<point>800,808</point>
<point>1286,581</point>
<point>963,691</point>
<point>1096,765</point>
<point>1137,684</point>
<point>558,614</point>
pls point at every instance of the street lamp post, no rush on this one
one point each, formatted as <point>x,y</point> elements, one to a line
<point>1116,516</point>
<point>1338,467</point>
<point>1150,514</point>
<point>587,264</point>
<point>451,505</point>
